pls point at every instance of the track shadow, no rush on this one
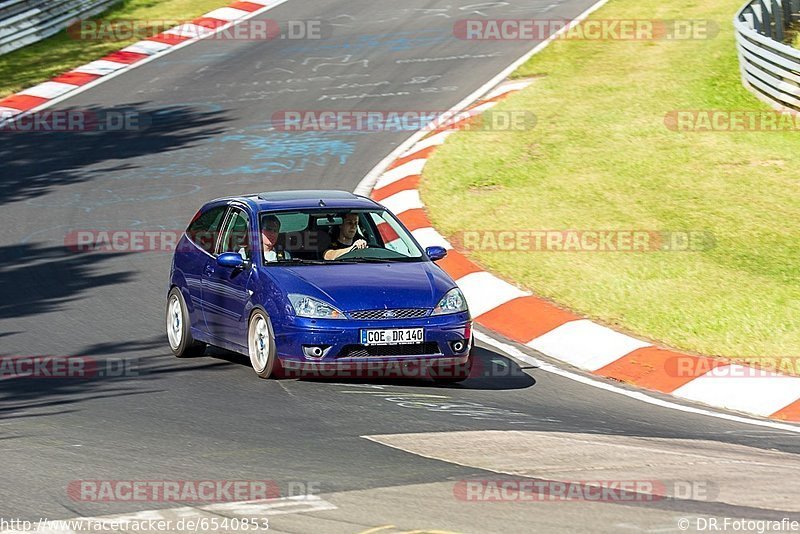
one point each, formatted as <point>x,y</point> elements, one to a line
<point>39,279</point>
<point>37,162</point>
<point>27,390</point>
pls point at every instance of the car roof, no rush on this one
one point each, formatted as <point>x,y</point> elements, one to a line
<point>302,199</point>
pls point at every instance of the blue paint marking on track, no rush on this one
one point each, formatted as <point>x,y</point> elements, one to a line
<point>289,152</point>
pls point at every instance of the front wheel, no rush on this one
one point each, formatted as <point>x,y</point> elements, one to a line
<point>179,330</point>
<point>261,344</point>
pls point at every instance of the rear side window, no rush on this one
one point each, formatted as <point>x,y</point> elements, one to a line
<point>204,229</point>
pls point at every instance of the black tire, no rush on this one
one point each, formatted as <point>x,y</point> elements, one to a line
<point>261,345</point>
<point>452,374</point>
<point>179,334</point>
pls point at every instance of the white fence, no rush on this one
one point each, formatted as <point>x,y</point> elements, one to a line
<point>770,69</point>
<point>23,22</point>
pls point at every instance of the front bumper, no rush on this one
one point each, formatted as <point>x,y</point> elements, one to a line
<point>342,340</point>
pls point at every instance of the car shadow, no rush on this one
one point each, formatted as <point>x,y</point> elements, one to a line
<point>490,371</point>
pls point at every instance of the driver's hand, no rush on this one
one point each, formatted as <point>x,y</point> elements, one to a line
<point>359,244</point>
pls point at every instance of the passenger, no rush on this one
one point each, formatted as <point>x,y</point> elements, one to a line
<point>270,230</point>
<point>345,242</point>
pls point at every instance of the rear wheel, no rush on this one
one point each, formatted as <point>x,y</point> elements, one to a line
<point>261,344</point>
<point>179,330</point>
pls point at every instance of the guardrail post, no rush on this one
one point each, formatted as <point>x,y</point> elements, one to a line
<point>756,20</point>
<point>749,19</point>
<point>777,14</point>
<point>766,19</point>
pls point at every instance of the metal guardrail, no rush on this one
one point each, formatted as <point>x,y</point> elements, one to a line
<point>23,22</point>
<point>770,69</point>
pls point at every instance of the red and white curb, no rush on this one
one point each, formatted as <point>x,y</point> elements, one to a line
<point>538,324</point>
<point>135,55</point>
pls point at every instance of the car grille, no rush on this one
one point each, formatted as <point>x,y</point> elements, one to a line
<point>384,315</point>
<point>429,348</point>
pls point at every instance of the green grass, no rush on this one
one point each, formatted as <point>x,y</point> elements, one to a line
<point>43,60</point>
<point>793,35</point>
<point>600,157</point>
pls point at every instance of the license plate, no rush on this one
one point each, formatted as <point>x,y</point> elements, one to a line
<point>394,336</point>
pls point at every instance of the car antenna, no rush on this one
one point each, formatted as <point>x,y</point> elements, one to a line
<point>322,203</point>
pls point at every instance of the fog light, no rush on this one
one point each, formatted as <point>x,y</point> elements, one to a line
<point>315,351</point>
<point>458,346</point>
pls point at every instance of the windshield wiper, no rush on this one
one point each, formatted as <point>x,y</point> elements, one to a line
<point>297,260</point>
<point>369,260</point>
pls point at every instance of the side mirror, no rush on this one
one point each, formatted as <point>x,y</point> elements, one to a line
<point>436,253</point>
<point>231,260</point>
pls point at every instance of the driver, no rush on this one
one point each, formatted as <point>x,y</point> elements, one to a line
<point>270,229</point>
<point>344,243</point>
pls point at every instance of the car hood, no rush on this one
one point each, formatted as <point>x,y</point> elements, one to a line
<point>367,286</point>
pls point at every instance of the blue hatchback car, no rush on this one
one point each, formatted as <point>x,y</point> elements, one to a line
<point>316,281</point>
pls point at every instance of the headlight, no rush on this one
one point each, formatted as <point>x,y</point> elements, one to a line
<point>305,306</point>
<point>452,302</point>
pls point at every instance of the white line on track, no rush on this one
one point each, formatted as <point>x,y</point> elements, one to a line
<point>520,356</point>
<point>368,182</point>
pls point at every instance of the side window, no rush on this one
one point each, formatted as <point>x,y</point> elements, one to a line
<point>393,236</point>
<point>203,230</point>
<point>235,237</point>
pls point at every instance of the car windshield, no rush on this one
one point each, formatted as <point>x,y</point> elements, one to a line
<point>320,236</point>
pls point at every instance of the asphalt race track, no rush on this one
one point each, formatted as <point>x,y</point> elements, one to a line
<point>210,106</point>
